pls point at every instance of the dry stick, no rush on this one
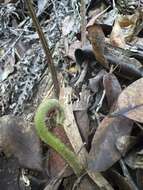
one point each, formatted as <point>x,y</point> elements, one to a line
<point>101,101</point>
<point>114,5</point>
<point>83,22</point>
<point>45,47</point>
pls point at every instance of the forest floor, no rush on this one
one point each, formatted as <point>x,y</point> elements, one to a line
<point>82,62</point>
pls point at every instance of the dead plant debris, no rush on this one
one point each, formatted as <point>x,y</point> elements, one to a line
<point>96,49</point>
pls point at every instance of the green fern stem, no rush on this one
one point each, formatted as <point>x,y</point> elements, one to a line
<point>44,108</point>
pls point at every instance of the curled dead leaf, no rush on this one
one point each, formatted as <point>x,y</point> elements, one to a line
<point>116,37</point>
<point>124,29</point>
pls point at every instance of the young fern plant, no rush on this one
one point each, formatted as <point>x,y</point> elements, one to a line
<point>40,117</point>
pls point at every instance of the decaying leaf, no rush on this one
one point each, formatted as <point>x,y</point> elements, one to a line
<point>10,174</point>
<point>103,153</point>
<point>55,162</point>
<point>112,88</point>
<point>80,112</point>
<point>97,39</point>
<point>93,5</point>
<point>119,181</point>
<point>96,82</point>
<point>85,54</point>
<point>126,66</point>
<point>134,159</point>
<point>116,37</point>
<point>125,28</point>
<point>139,175</point>
<point>18,138</point>
<point>130,102</point>
<point>124,143</point>
<point>83,124</point>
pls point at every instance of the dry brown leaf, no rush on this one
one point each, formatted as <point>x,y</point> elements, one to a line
<point>103,153</point>
<point>125,143</point>
<point>55,162</point>
<point>18,138</point>
<point>96,82</point>
<point>124,29</point>
<point>112,88</point>
<point>117,37</point>
<point>97,39</point>
<point>130,102</point>
<point>81,116</point>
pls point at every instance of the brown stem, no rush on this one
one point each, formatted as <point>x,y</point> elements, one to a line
<point>45,46</point>
<point>83,22</point>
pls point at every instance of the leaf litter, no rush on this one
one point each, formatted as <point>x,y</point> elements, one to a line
<point>102,94</point>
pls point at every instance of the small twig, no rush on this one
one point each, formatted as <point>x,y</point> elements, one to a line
<point>78,181</point>
<point>139,125</point>
<point>45,47</point>
<point>114,5</point>
<point>83,145</point>
<point>24,178</point>
<point>101,101</point>
<point>13,44</point>
<point>56,15</point>
<point>82,75</point>
<point>94,18</point>
<point>83,22</point>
